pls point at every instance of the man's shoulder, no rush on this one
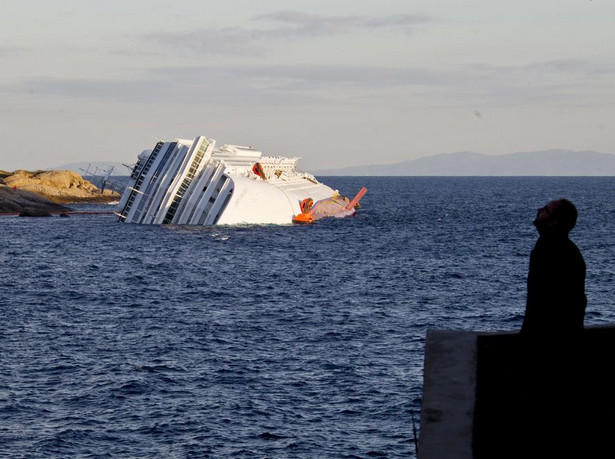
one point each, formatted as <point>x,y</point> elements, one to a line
<point>575,251</point>
<point>556,248</point>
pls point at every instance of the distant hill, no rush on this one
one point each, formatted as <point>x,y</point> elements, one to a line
<point>538,163</point>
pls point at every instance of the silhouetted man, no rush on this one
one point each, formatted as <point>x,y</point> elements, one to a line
<point>531,388</point>
<point>551,337</point>
<point>556,282</point>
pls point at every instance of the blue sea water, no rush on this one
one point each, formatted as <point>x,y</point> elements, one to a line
<point>266,341</point>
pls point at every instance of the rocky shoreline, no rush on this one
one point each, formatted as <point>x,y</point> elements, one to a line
<point>41,193</point>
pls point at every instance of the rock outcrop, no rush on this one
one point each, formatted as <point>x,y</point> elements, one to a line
<point>60,187</point>
<point>26,203</point>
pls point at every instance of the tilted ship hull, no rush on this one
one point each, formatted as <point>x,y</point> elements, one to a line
<point>196,183</point>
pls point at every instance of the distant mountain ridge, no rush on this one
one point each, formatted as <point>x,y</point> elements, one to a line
<point>538,163</point>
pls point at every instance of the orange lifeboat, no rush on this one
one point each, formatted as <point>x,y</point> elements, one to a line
<point>305,216</point>
<point>303,219</point>
<point>258,170</point>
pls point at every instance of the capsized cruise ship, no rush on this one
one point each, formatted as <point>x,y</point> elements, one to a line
<point>194,182</point>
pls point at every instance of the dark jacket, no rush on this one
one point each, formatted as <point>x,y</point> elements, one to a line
<point>556,298</point>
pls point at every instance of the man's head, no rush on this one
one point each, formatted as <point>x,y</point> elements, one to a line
<point>557,217</point>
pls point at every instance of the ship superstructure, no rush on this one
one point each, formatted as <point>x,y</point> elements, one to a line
<point>196,183</point>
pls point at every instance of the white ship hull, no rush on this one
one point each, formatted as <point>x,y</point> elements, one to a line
<point>194,183</point>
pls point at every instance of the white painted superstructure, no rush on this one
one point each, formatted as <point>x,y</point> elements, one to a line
<point>196,183</point>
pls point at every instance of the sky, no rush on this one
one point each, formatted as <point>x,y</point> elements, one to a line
<point>336,82</point>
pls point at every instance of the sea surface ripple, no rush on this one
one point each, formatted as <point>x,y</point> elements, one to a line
<point>266,341</point>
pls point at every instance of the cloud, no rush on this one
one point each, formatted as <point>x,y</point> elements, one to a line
<point>575,66</point>
<point>239,84</point>
<point>270,85</point>
<point>572,83</point>
<point>565,67</point>
<point>297,24</point>
<point>9,51</point>
<point>212,41</point>
<point>292,25</point>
